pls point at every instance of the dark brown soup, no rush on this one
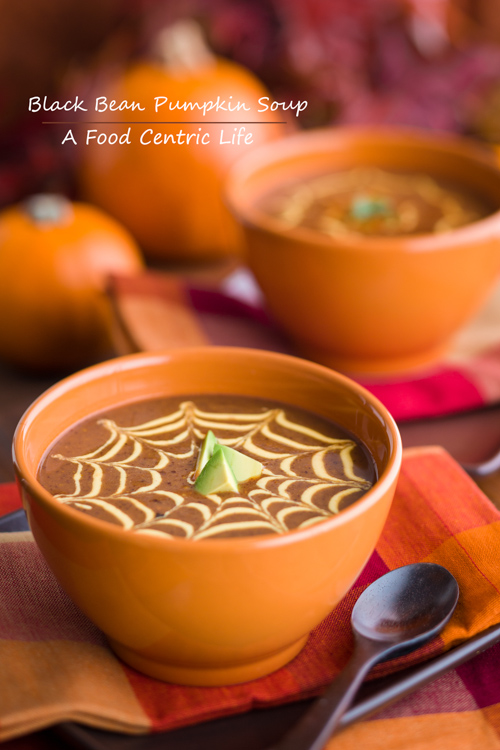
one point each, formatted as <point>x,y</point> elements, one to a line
<point>134,466</point>
<point>376,202</point>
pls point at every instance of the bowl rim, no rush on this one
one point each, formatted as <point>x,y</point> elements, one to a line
<point>29,482</point>
<point>316,140</point>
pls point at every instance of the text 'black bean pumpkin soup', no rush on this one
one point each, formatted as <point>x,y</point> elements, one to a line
<point>208,467</point>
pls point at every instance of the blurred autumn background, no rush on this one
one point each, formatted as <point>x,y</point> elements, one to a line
<point>428,63</point>
<point>431,64</point>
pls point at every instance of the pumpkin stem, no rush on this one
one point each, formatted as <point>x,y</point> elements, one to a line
<point>182,48</point>
<point>47,208</point>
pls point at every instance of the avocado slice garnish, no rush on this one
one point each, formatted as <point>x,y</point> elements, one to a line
<point>206,450</point>
<point>221,468</point>
<point>216,476</point>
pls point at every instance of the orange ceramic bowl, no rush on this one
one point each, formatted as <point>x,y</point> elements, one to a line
<point>369,304</point>
<point>206,612</point>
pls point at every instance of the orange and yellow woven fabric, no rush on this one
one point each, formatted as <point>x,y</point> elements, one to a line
<point>56,666</point>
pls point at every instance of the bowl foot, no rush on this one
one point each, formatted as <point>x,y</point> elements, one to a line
<point>206,676</point>
<point>376,365</point>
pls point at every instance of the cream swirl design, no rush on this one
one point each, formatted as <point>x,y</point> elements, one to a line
<point>141,476</point>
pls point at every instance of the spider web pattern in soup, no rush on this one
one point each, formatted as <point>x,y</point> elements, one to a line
<point>134,466</point>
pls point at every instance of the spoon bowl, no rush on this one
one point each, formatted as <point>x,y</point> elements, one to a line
<point>395,615</point>
<point>406,607</point>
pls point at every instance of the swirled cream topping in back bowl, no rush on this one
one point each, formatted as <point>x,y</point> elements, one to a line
<point>370,201</point>
<point>208,467</point>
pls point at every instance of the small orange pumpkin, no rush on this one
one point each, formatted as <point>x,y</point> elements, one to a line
<point>55,259</point>
<point>169,195</point>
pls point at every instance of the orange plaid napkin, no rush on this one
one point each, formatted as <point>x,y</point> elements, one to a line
<point>56,666</point>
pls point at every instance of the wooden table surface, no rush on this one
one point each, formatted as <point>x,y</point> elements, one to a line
<point>17,391</point>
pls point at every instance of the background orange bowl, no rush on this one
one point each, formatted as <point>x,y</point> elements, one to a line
<point>206,612</point>
<point>359,303</point>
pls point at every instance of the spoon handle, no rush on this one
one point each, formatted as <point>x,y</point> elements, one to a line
<point>314,728</point>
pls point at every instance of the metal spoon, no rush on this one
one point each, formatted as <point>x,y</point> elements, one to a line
<point>396,614</point>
